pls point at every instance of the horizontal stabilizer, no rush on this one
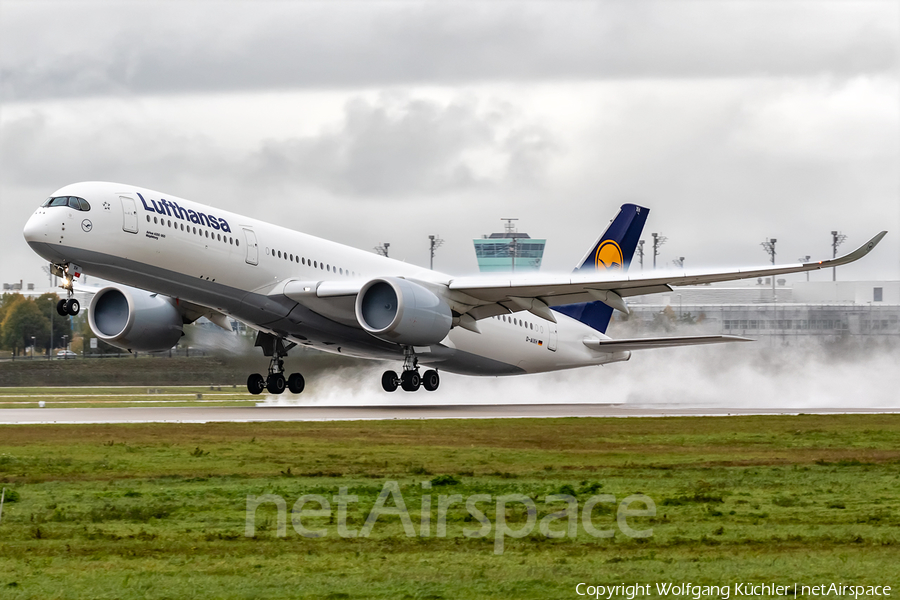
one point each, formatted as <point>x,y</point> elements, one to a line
<point>660,342</point>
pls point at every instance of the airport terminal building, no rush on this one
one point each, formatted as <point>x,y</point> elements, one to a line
<point>823,309</point>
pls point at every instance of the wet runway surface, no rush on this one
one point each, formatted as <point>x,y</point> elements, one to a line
<point>387,412</point>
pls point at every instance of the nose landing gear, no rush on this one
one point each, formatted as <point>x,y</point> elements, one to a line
<point>275,382</point>
<point>410,380</point>
<point>70,306</point>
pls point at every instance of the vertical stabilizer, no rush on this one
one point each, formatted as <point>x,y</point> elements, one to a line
<point>612,251</point>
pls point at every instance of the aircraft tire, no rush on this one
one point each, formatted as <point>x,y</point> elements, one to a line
<point>61,308</point>
<point>73,307</point>
<point>296,383</point>
<point>275,383</point>
<point>256,384</point>
<point>431,380</point>
<point>410,381</point>
<point>389,381</point>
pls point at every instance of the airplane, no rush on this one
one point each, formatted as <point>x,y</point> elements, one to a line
<point>173,261</point>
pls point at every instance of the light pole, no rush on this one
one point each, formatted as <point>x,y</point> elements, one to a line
<point>837,238</point>
<point>769,247</point>
<point>804,260</point>
<point>658,240</point>
<point>435,242</point>
<point>640,253</point>
<point>65,346</point>
<point>52,308</point>
<point>513,249</point>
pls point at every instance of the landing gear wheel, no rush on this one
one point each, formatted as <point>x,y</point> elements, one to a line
<point>275,383</point>
<point>256,384</point>
<point>61,308</point>
<point>410,381</point>
<point>431,380</point>
<point>73,306</point>
<point>389,381</point>
<point>296,383</point>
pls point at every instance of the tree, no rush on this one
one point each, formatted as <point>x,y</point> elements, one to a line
<point>62,326</point>
<point>8,300</point>
<point>23,320</point>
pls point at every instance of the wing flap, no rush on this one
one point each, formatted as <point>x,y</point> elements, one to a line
<point>659,342</point>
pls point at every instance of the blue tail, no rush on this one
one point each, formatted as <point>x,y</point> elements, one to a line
<point>614,251</point>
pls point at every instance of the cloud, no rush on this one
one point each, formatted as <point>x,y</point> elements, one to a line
<point>113,48</point>
<point>404,147</point>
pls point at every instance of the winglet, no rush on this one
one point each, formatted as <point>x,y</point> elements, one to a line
<point>852,256</point>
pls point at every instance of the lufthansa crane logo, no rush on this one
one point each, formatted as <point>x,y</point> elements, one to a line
<point>609,255</point>
<point>86,225</point>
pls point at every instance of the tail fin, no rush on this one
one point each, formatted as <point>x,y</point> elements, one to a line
<point>613,250</point>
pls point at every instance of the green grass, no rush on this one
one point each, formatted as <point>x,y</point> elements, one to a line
<point>158,511</point>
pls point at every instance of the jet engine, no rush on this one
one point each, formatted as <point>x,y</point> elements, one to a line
<point>400,311</point>
<point>134,319</point>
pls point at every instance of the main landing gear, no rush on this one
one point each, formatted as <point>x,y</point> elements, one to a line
<point>275,382</point>
<point>69,307</point>
<point>410,380</point>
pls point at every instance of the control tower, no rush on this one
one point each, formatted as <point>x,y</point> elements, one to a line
<point>509,251</point>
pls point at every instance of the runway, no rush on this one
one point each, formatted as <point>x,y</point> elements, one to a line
<point>21,416</point>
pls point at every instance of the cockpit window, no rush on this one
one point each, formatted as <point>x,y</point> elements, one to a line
<point>70,201</point>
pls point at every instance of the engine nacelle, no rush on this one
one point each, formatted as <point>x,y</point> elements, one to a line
<point>134,319</point>
<point>397,310</point>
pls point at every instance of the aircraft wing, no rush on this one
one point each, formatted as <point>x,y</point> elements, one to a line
<point>660,342</point>
<point>482,297</point>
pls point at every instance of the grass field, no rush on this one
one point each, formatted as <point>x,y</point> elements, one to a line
<point>159,511</point>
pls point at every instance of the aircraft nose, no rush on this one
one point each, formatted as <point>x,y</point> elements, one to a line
<point>35,229</point>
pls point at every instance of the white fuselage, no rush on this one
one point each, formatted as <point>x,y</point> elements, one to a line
<point>234,264</point>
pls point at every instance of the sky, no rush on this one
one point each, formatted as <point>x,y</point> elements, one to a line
<point>372,122</point>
